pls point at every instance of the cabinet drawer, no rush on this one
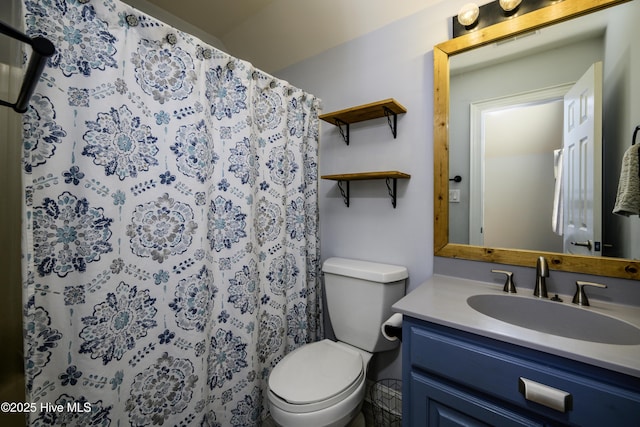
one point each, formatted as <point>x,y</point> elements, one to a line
<point>435,403</point>
<point>498,371</point>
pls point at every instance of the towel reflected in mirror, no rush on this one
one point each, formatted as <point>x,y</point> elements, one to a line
<point>628,197</point>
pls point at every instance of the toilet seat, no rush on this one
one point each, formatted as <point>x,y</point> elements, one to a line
<point>316,376</point>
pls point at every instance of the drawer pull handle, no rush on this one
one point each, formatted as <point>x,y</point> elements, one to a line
<point>545,395</point>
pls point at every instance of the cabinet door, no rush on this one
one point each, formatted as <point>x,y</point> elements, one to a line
<point>436,404</point>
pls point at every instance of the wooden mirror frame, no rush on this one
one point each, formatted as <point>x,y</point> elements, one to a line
<point>561,11</point>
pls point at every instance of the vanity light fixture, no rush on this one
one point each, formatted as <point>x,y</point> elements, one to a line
<point>468,14</point>
<point>472,17</point>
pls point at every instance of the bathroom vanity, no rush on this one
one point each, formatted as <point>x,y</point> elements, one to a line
<point>463,367</point>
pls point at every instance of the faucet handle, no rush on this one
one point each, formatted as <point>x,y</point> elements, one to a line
<point>509,286</point>
<point>580,297</point>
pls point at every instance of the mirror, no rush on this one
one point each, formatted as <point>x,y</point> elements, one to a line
<point>516,27</point>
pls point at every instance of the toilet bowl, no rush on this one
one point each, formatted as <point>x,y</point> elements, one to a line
<point>319,384</point>
<point>322,384</point>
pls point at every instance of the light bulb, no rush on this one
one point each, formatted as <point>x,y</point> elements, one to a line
<point>509,5</point>
<point>468,14</point>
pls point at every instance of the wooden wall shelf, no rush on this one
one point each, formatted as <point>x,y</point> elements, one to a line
<point>391,178</point>
<point>389,108</point>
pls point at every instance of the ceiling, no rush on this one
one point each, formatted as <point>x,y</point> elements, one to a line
<point>273,34</point>
<point>205,14</point>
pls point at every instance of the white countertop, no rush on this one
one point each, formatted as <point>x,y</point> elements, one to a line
<point>443,300</point>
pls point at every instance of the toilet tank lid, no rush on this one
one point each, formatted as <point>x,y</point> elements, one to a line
<point>366,270</point>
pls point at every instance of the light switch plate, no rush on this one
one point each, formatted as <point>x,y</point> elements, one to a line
<point>454,196</point>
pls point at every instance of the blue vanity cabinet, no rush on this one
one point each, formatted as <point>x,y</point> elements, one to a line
<point>455,378</point>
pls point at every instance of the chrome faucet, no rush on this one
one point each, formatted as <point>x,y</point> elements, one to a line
<point>542,272</point>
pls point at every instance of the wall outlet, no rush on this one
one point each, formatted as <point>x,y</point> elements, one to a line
<point>454,196</point>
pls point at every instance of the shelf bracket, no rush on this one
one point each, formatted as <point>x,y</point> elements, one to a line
<point>394,126</point>
<point>392,190</point>
<point>345,135</point>
<point>344,192</point>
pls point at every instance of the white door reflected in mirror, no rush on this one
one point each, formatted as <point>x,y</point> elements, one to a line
<point>582,165</point>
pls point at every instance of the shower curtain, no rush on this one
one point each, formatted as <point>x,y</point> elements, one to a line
<point>172,254</point>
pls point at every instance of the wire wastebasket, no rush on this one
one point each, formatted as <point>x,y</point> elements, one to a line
<point>386,403</point>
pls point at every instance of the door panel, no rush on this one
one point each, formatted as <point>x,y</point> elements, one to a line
<point>582,165</point>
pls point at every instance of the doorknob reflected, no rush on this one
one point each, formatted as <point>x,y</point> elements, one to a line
<point>586,244</point>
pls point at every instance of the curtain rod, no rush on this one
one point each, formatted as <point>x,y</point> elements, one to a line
<point>42,50</point>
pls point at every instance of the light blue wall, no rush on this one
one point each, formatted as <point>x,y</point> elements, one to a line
<point>621,116</point>
<point>394,62</point>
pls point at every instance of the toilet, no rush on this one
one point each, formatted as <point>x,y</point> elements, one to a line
<point>323,383</point>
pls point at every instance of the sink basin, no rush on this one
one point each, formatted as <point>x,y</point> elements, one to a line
<point>556,318</point>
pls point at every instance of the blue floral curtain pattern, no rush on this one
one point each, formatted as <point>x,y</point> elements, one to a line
<point>171,249</point>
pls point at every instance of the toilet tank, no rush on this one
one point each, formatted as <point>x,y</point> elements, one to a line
<point>359,298</point>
